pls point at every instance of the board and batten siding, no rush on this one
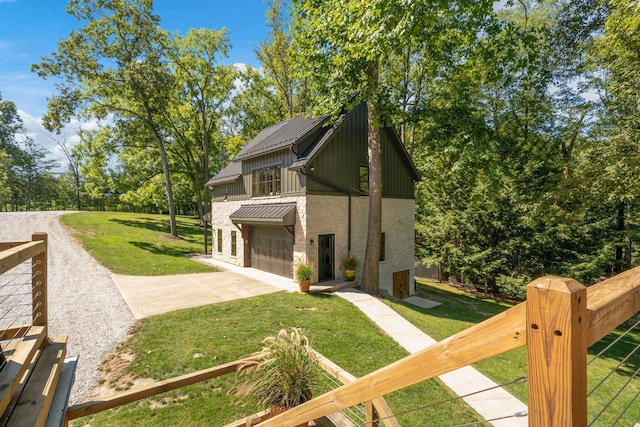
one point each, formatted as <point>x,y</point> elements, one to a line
<point>397,179</point>
<point>290,181</point>
<point>338,164</point>
<point>232,190</point>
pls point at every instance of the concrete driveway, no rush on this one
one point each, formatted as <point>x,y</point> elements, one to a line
<point>151,295</point>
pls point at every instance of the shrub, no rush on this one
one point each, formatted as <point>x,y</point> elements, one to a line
<point>513,286</point>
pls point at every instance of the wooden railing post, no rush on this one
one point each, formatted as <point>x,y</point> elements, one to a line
<point>371,414</point>
<point>557,351</point>
<point>39,284</point>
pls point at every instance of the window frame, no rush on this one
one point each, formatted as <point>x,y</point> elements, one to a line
<point>219,243</point>
<point>266,181</point>
<point>234,243</point>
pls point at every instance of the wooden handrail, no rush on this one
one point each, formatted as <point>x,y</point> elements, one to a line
<point>95,406</point>
<point>16,255</point>
<point>609,303</point>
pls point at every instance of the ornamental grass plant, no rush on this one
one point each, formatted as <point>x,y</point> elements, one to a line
<point>284,373</point>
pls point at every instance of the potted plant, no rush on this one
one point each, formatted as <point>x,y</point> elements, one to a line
<point>350,264</point>
<point>283,374</point>
<point>304,273</point>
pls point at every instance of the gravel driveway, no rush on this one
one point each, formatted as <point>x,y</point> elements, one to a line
<point>84,303</point>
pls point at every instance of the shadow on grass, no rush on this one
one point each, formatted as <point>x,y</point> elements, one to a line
<point>162,250</point>
<point>185,230</point>
<point>455,306</point>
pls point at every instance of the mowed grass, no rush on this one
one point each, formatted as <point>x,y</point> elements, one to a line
<point>460,310</point>
<point>185,341</point>
<point>139,244</point>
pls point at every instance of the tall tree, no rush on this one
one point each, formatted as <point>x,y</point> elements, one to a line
<point>276,56</point>
<point>114,64</point>
<point>203,90</point>
<point>345,48</point>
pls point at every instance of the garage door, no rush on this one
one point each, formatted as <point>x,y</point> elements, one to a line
<point>272,250</point>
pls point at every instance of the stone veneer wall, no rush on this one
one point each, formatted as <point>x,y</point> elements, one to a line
<point>398,219</point>
<point>318,215</point>
<point>220,212</point>
<point>328,215</point>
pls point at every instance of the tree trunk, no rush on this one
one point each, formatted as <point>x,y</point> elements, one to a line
<point>370,277</point>
<point>627,236</point>
<point>620,228</point>
<point>167,182</point>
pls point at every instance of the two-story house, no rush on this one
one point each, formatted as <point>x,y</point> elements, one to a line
<point>299,190</point>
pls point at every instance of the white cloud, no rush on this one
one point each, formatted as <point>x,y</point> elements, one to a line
<point>68,135</point>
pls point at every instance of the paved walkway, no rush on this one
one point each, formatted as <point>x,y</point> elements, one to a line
<point>492,404</point>
<point>216,287</point>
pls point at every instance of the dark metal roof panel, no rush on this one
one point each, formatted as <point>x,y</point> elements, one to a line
<point>280,136</point>
<point>268,214</point>
<point>230,173</point>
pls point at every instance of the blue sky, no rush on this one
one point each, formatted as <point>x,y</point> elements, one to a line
<point>31,29</point>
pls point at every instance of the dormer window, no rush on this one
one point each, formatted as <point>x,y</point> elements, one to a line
<point>266,181</point>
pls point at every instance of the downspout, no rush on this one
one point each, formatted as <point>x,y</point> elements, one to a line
<point>349,229</point>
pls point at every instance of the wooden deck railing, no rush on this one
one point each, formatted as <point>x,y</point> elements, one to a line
<point>379,407</point>
<point>559,321</point>
<point>34,362</point>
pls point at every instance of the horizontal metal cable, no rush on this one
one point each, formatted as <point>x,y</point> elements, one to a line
<point>453,399</point>
<point>613,342</point>
<point>613,370</point>
<point>615,396</point>
<point>516,415</point>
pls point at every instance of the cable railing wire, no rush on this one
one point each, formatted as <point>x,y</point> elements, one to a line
<point>604,350</point>
<point>453,399</point>
<point>507,417</point>
<point>606,377</point>
<point>615,396</point>
<point>626,408</point>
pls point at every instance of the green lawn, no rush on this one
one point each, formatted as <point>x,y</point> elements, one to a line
<point>166,346</point>
<point>139,244</point>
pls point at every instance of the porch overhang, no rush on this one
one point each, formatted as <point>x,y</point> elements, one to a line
<point>280,214</point>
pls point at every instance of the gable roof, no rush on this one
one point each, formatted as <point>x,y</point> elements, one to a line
<point>288,133</point>
<point>279,136</point>
<point>321,142</point>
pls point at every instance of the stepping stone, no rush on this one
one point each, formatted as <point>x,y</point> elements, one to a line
<point>421,302</point>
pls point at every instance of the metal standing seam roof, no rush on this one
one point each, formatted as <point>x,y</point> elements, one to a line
<point>267,214</point>
<point>281,135</point>
<point>228,174</point>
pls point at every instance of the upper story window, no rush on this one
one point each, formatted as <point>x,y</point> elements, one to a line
<point>364,180</point>
<point>267,181</point>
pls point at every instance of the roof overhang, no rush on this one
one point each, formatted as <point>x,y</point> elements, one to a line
<point>281,214</point>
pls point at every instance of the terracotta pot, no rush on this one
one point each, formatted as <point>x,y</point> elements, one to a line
<point>304,285</point>
<point>350,274</point>
<point>277,410</point>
